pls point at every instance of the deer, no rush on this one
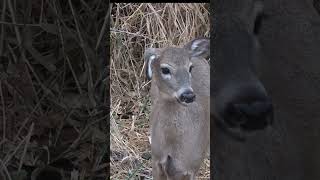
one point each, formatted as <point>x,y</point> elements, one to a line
<point>265,99</point>
<point>180,110</point>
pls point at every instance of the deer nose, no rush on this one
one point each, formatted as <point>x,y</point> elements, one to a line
<point>187,96</point>
<point>250,116</point>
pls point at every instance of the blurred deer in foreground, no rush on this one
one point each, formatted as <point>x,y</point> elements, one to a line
<point>267,96</point>
<point>180,93</point>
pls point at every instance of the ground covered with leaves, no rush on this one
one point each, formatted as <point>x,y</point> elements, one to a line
<point>135,27</point>
<point>53,90</point>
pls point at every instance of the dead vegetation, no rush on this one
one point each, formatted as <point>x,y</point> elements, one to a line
<point>53,92</point>
<point>133,28</point>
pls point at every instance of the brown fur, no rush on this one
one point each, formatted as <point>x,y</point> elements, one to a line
<point>180,134</point>
<point>288,34</point>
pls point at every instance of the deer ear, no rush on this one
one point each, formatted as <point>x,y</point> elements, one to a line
<point>151,55</point>
<point>199,47</point>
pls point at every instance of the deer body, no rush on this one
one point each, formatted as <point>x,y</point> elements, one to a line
<point>286,148</point>
<point>180,123</point>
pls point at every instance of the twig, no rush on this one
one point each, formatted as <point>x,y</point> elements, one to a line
<point>3,113</point>
<point>14,21</point>
<point>135,171</point>
<point>27,139</point>
<point>102,32</point>
<point>22,50</point>
<point>14,57</point>
<point>135,34</point>
<point>18,24</point>
<point>27,118</point>
<point>62,124</point>
<point>5,169</point>
<point>8,157</point>
<point>2,27</point>
<point>65,56</point>
<point>41,13</point>
<point>90,82</point>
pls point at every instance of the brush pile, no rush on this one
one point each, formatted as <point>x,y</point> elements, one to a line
<point>53,92</point>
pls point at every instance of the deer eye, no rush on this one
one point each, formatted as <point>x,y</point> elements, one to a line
<point>165,70</point>
<point>190,69</point>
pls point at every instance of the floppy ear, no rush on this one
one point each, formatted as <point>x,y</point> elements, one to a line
<point>151,55</point>
<point>199,47</point>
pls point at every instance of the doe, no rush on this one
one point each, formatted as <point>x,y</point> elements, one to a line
<point>180,117</point>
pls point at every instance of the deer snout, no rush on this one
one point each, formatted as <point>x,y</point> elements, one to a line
<point>187,96</point>
<point>247,107</point>
<point>251,116</point>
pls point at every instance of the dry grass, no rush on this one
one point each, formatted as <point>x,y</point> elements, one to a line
<point>135,27</point>
<point>52,94</point>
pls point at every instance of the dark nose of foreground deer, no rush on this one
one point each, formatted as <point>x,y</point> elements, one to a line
<point>248,108</point>
<point>187,97</point>
<point>250,116</point>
